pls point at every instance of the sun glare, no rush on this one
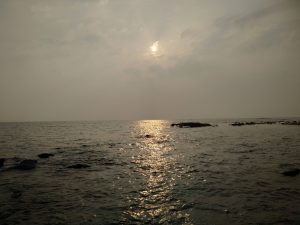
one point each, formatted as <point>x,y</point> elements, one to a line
<point>154,47</point>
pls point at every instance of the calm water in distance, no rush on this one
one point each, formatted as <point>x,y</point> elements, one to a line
<point>202,176</point>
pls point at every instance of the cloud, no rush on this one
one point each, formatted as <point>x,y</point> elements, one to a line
<point>92,57</point>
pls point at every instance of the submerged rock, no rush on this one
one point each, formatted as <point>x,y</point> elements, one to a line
<point>190,125</point>
<point>2,160</point>
<point>16,194</point>
<point>78,166</point>
<point>45,155</point>
<point>26,164</point>
<point>291,172</point>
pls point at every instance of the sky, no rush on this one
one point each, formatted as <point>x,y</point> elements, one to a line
<point>148,59</point>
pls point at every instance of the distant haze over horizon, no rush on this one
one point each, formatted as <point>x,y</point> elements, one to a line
<point>63,60</point>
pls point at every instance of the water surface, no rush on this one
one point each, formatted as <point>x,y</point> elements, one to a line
<point>146,172</point>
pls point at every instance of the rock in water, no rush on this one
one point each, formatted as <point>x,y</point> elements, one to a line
<point>291,172</point>
<point>26,164</point>
<point>16,194</point>
<point>45,155</point>
<point>190,124</point>
<point>78,166</point>
<point>2,160</point>
<point>237,124</point>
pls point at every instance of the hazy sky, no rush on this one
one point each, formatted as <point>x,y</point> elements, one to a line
<point>92,59</point>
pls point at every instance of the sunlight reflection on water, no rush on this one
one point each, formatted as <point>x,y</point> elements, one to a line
<point>156,203</point>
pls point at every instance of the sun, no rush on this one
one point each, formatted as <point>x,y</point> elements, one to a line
<point>154,47</point>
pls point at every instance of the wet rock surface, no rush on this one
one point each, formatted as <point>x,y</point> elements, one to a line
<point>26,164</point>
<point>2,160</point>
<point>45,155</point>
<point>16,194</point>
<point>190,125</point>
<point>291,172</point>
<point>78,166</point>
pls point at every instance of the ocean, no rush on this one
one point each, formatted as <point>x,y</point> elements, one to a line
<point>147,172</point>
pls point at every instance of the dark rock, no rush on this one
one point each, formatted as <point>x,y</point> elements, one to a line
<point>2,160</point>
<point>26,164</point>
<point>78,166</point>
<point>291,172</point>
<point>148,136</point>
<point>45,155</point>
<point>145,136</point>
<point>237,124</point>
<point>190,125</point>
<point>16,194</point>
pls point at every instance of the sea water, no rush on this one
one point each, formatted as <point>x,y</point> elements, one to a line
<point>147,172</point>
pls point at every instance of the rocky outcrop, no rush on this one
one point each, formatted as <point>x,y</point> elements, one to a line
<point>26,164</point>
<point>190,125</point>
<point>45,155</point>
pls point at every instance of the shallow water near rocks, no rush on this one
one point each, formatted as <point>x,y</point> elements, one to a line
<point>147,172</point>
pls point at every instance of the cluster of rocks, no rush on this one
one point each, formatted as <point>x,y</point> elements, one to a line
<point>266,122</point>
<point>197,124</point>
<point>252,123</point>
<point>29,164</point>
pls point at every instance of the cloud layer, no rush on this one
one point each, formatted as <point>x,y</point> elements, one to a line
<point>81,60</point>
